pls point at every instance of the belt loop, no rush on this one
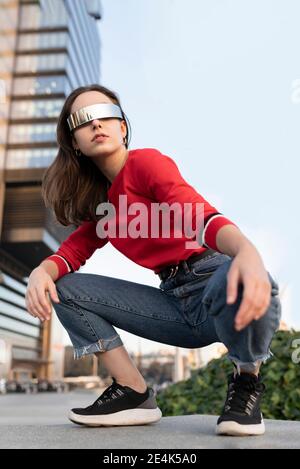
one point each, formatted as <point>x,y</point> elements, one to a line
<point>185,266</point>
<point>174,270</point>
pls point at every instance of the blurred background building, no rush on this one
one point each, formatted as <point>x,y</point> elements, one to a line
<point>47,48</point>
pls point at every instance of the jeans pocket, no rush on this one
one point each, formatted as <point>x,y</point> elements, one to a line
<point>191,288</point>
<point>202,274</point>
<point>206,267</point>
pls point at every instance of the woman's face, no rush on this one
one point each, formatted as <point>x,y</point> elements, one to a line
<point>83,136</point>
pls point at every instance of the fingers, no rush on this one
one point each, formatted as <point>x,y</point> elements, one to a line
<point>53,292</point>
<point>43,303</point>
<point>255,302</point>
<point>245,311</point>
<point>31,308</point>
<point>232,284</point>
<point>264,293</point>
<point>37,305</point>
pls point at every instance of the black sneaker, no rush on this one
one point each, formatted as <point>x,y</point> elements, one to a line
<point>241,414</point>
<point>119,405</point>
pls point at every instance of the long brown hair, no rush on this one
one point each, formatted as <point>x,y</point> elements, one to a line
<point>73,186</point>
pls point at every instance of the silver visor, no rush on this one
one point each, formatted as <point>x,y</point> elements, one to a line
<point>95,111</point>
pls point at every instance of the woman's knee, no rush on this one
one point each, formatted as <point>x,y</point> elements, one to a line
<point>273,313</point>
<point>65,285</point>
<point>216,291</point>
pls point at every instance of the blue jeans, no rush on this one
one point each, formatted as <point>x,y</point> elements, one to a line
<point>188,310</point>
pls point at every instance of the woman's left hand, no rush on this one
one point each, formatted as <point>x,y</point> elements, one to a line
<point>247,267</point>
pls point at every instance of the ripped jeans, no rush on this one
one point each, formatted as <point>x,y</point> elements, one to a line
<point>188,310</point>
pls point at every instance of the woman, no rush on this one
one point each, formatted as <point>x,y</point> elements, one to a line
<point>213,283</point>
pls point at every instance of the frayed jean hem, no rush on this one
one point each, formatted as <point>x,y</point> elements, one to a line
<point>102,345</point>
<point>250,366</point>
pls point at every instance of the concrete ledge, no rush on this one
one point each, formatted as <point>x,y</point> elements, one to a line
<point>40,422</point>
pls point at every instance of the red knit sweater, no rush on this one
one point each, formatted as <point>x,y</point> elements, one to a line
<point>148,177</point>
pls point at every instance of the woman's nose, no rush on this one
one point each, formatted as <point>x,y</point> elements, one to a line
<point>96,122</point>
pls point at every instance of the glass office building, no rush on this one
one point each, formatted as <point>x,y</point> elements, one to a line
<point>48,48</point>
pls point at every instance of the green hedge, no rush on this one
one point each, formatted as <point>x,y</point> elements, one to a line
<point>205,391</point>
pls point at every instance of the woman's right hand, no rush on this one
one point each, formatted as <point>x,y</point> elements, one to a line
<point>37,301</point>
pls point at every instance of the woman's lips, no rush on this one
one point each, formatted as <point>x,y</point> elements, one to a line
<point>100,138</point>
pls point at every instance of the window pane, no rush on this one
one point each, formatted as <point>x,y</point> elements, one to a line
<point>34,17</point>
<point>32,133</point>
<point>38,62</point>
<point>14,311</point>
<point>38,108</point>
<point>23,354</point>
<point>19,327</point>
<point>40,85</point>
<point>32,158</point>
<point>42,40</point>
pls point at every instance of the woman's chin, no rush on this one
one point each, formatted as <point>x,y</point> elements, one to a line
<point>99,152</point>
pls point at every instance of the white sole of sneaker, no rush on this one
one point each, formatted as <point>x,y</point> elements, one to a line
<point>124,417</point>
<point>232,428</point>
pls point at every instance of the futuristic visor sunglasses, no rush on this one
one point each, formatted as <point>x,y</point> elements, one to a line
<point>95,111</point>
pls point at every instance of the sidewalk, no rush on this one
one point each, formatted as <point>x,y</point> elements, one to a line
<point>39,421</point>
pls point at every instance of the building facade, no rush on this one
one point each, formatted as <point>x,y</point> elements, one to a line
<point>48,48</point>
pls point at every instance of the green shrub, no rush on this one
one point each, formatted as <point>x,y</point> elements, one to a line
<point>205,391</point>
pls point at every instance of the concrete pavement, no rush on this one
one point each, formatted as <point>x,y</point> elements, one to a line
<point>40,421</point>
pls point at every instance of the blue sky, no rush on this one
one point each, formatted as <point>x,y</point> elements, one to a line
<point>213,84</point>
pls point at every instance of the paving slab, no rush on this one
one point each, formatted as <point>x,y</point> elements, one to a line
<point>40,421</point>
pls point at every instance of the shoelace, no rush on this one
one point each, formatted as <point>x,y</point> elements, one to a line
<point>242,394</point>
<point>108,393</point>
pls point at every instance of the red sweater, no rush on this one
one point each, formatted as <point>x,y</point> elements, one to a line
<point>148,177</point>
